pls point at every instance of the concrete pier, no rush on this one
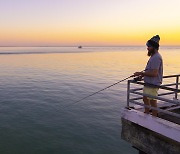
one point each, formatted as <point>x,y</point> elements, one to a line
<point>151,135</point>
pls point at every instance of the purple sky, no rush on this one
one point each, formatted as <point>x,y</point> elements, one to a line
<point>93,22</point>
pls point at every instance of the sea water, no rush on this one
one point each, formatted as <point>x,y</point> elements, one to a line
<point>38,83</point>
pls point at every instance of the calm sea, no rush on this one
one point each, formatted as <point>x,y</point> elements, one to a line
<point>36,83</point>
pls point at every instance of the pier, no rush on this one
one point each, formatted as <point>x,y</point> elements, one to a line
<point>149,134</point>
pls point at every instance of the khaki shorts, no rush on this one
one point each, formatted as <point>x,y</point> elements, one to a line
<point>150,91</point>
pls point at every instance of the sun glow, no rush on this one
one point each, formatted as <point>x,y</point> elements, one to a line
<point>32,23</point>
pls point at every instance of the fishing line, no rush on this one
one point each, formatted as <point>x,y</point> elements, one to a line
<point>99,91</point>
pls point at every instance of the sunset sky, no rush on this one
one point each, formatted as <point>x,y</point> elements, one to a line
<point>88,22</point>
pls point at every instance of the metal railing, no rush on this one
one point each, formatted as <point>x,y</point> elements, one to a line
<point>168,87</point>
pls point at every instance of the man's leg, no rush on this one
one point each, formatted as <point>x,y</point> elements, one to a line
<point>154,104</point>
<point>146,102</point>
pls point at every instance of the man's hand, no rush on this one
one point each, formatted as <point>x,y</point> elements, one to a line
<point>138,74</point>
<point>150,73</point>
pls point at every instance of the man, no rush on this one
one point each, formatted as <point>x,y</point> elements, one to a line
<point>153,74</point>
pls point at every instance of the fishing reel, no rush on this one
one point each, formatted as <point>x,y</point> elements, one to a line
<point>139,78</point>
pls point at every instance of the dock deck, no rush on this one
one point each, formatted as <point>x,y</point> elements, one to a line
<point>149,134</point>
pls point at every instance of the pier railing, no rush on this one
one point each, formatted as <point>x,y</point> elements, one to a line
<point>170,89</point>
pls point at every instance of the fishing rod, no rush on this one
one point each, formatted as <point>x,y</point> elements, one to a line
<point>101,90</point>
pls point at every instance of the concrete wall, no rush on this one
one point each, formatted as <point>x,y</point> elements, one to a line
<point>147,140</point>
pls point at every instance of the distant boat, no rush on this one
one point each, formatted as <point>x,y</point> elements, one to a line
<point>79,47</point>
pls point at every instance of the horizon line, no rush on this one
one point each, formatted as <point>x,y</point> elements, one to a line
<point>89,46</point>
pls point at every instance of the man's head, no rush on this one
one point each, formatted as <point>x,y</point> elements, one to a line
<point>153,45</point>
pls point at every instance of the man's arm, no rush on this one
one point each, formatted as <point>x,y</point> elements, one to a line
<point>149,73</point>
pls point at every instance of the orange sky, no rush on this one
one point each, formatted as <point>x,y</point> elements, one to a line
<point>81,22</point>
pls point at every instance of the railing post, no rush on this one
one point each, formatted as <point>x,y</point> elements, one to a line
<point>177,82</point>
<point>128,93</point>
